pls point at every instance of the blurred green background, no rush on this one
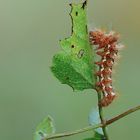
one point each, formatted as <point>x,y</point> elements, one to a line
<point>29,34</point>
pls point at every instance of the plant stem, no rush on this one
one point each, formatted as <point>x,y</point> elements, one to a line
<point>108,122</point>
<point>101,116</point>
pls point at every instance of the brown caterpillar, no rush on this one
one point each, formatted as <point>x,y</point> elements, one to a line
<point>107,49</point>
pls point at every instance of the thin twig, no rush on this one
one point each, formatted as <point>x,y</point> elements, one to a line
<point>123,115</point>
<point>66,134</point>
<point>108,122</point>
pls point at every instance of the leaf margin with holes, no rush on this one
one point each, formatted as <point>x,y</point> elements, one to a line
<point>77,45</point>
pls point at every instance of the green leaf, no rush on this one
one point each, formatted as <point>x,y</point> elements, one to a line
<point>44,129</point>
<point>96,136</point>
<point>74,65</point>
<point>92,138</point>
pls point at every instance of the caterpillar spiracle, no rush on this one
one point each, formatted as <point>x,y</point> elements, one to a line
<point>107,48</point>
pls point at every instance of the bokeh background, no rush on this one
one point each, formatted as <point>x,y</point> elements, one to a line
<point>29,34</point>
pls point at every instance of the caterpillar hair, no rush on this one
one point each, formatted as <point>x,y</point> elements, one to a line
<point>107,48</point>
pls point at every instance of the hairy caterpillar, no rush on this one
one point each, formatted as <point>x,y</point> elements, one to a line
<point>107,49</point>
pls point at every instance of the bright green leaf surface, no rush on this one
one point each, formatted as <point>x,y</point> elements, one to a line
<point>44,129</point>
<point>74,66</point>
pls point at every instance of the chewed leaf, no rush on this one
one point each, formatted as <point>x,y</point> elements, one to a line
<point>94,119</point>
<point>44,129</point>
<point>74,65</point>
